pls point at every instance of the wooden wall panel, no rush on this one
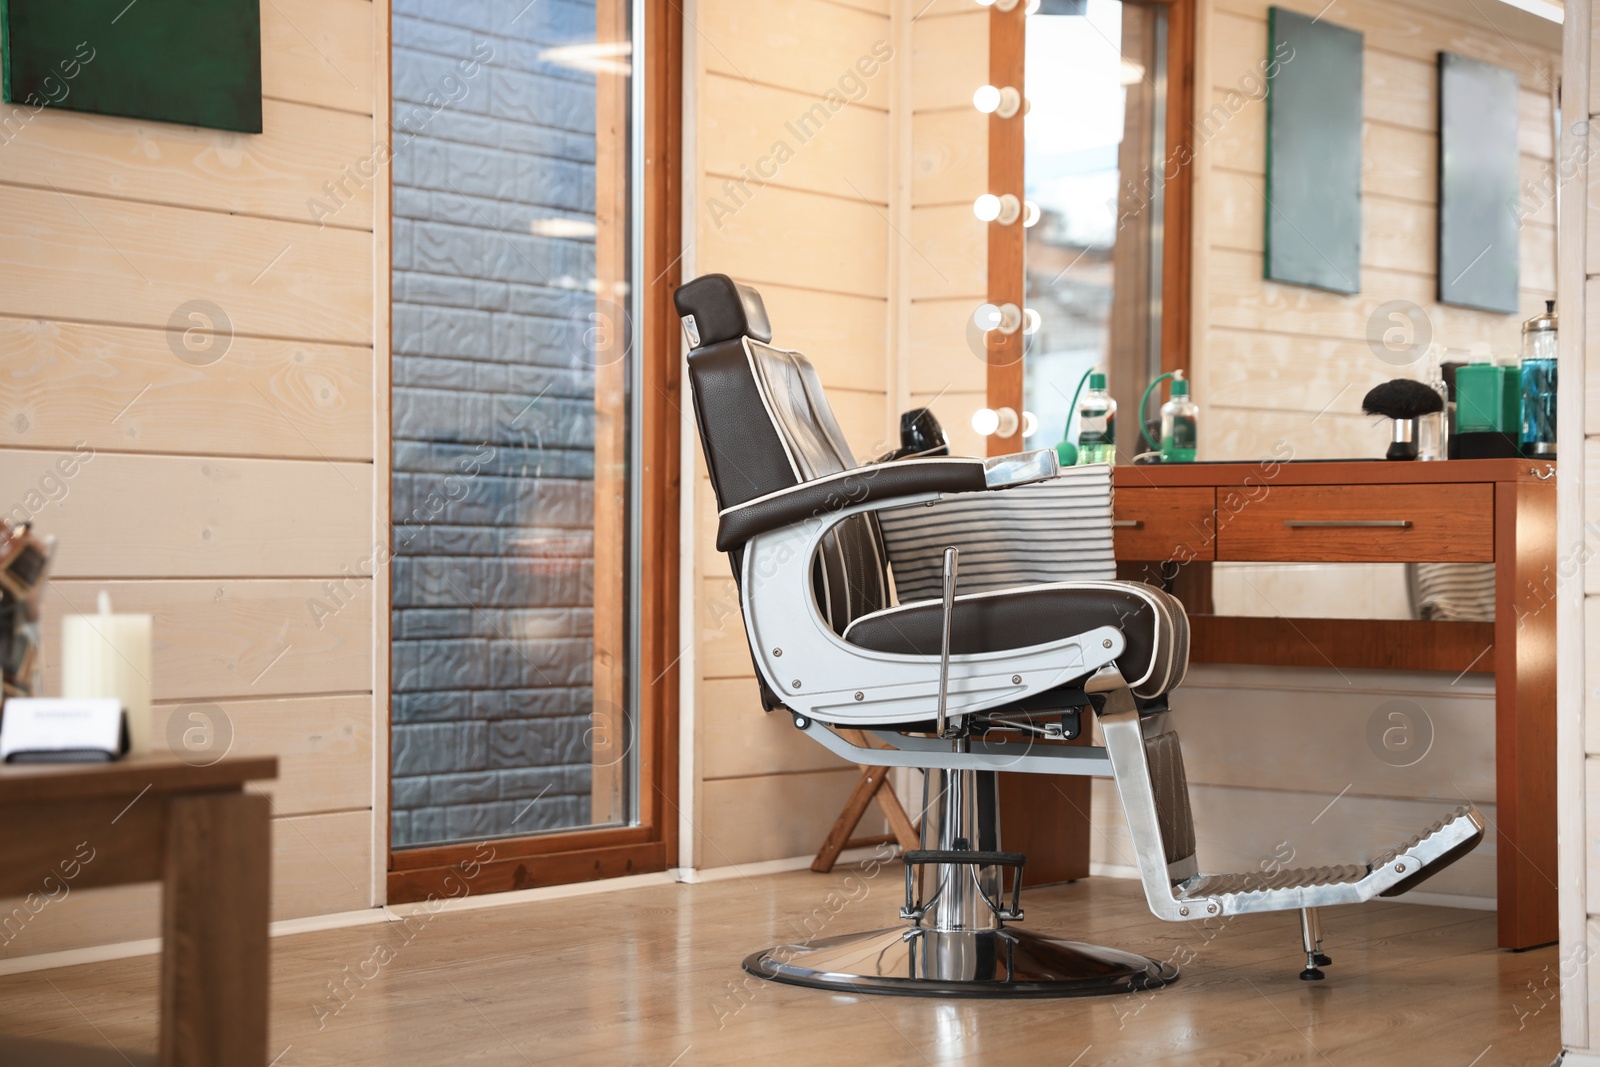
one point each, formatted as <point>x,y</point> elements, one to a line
<point>805,45</point>
<point>272,174</point>
<point>122,389</point>
<point>952,258</point>
<point>233,638</point>
<point>950,156</point>
<point>950,58</point>
<point>322,743</point>
<point>844,335</point>
<point>201,516</point>
<point>801,239</point>
<point>141,262</point>
<point>742,741</point>
<point>753,131</point>
<point>1415,31</point>
<point>721,649</point>
<point>231,499</point>
<point>320,52</point>
<point>747,820</point>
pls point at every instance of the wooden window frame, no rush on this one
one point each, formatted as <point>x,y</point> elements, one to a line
<point>559,858</point>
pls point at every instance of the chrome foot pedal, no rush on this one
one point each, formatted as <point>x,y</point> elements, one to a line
<point>1390,874</point>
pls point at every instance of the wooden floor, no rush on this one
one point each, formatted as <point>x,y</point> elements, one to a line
<point>651,977</point>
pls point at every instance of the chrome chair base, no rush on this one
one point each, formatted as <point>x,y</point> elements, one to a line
<point>914,961</point>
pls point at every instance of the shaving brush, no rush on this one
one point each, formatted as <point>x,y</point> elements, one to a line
<point>1404,401</point>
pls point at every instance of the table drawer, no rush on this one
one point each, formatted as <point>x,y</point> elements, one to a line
<point>1162,524</point>
<point>1363,524</point>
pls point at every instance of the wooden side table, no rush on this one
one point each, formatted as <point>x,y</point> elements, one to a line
<point>196,831</point>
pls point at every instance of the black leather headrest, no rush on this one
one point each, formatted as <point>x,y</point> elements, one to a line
<point>715,308</point>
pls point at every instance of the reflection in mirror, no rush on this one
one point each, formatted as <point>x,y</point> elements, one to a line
<point>1096,134</point>
<point>1451,592</point>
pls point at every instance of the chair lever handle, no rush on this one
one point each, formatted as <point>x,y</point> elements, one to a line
<point>1328,524</point>
<point>950,557</point>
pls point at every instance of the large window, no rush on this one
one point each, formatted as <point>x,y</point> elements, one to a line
<point>515,421</point>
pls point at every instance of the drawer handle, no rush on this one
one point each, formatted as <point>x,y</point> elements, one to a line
<point>1128,524</point>
<point>1325,524</point>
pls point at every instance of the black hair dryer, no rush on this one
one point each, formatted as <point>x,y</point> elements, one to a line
<point>920,435</point>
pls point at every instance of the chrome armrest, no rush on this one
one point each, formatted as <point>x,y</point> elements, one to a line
<point>1020,468</point>
<point>817,674</point>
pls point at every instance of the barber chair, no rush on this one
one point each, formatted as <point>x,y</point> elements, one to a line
<point>947,684</point>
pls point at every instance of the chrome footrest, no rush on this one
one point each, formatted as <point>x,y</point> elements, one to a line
<point>915,909</point>
<point>1389,874</point>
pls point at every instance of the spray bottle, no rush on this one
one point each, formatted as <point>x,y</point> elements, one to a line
<point>1180,421</point>
<point>1097,423</point>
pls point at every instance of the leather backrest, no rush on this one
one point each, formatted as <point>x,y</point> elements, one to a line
<point>715,308</point>
<point>765,425</point>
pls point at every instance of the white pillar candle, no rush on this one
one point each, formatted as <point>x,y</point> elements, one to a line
<point>108,655</point>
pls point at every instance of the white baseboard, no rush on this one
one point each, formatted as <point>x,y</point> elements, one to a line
<point>695,876</point>
<point>73,957</point>
<point>1575,1058</point>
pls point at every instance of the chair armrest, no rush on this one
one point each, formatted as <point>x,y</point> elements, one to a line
<point>876,481</point>
<point>879,481</point>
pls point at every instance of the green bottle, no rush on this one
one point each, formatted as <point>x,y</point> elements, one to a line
<point>1180,418</point>
<point>1097,423</point>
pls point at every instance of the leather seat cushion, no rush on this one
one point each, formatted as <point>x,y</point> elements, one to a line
<point>1152,622</point>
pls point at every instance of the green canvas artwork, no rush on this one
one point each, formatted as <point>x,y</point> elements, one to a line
<point>1313,193</point>
<point>196,62</point>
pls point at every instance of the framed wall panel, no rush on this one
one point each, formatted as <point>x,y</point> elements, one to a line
<point>1478,174</point>
<point>1313,194</point>
<point>169,60</point>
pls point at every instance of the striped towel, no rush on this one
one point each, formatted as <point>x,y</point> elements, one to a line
<point>1052,531</point>
<point>1452,592</point>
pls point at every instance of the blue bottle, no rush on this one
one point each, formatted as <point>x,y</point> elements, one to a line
<point>1539,384</point>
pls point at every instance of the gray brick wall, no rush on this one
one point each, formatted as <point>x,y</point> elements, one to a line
<point>493,423</point>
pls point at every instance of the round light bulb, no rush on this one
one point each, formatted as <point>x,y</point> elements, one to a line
<point>1010,209</point>
<point>1030,321</point>
<point>1004,102</point>
<point>1030,424</point>
<point>1010,321</point>
<point>987,317</point>
<point>1033,7</point>
<point>985,421</point>
<point>1030,213</point>
<point>987,207</point>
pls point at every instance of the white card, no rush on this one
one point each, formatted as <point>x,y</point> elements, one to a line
<point>40,724</point>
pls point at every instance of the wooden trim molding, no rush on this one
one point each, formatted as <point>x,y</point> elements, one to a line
<point>1177,245</point>
<point>1345,644</point>
<point>651,844</point>
<point>485,868</point>
<point>1006,244</point>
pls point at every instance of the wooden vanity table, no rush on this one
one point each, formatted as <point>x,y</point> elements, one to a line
<point>1499,511</point>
